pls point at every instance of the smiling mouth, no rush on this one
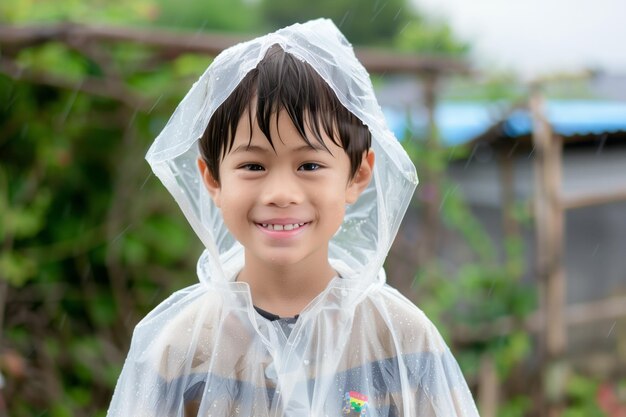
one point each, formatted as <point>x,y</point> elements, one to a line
<point>281,227</point>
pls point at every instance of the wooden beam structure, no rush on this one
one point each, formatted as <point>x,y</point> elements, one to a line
<point>609,309</point>
<point>13,38</point>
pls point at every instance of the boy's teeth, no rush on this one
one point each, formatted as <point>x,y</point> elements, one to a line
<point>280,227</point>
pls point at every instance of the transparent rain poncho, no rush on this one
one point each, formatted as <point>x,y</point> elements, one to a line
<point>359,348</point>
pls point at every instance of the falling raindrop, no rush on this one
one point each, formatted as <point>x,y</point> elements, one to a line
<point>70,104</point>
<point>155,103</point>
<point>343,19</point>
<point>603,139</point>
<point>611,329</point>
<point>378,12</point>
<point>595,250</point>
<point>397,14</point>
<point>404,28</point>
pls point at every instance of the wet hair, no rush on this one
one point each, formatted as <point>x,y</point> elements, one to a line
<point>282,82</point>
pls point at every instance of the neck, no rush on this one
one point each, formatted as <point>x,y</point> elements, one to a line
<point>285,290</point>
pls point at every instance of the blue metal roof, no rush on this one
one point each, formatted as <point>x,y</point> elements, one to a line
<point>460,122</point>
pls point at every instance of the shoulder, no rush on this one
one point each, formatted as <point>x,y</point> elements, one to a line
<point>185,320</point>
<point>396,318</point>
<point>180,308</point>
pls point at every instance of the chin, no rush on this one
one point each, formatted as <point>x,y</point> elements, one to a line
<point>282,261</point>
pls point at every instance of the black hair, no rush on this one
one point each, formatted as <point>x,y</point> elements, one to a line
<point>282,82</point>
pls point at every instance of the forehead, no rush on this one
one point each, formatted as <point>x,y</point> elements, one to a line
<point>283,133</point>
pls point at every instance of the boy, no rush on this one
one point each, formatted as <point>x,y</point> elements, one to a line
<point>271,158</point>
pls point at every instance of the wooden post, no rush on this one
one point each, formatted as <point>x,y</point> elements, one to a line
<point>431,189</point>
<point>549,221</point>
<point>488,387</point>
<point>424,249</point>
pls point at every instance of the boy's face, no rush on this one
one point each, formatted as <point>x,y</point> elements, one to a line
<point>284,205</point>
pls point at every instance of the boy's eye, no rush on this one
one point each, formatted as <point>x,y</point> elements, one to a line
<point>252,167</point>
<point>309,166</point>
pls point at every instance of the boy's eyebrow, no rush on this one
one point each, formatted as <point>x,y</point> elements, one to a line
<point>255,148</point>
<point>250,148</point>
<point>311,146</point>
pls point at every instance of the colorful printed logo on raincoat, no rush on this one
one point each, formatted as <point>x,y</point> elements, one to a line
<point>355,402</point>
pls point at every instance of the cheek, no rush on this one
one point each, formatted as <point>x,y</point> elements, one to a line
<point>335,205</point>
<point>234,206</point>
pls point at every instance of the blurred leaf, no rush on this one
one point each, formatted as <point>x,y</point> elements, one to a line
<point>54,58</point>
<point>135,252</point>
<point>61,410</point>
<point>22,222</point>
<point>435,38</point>
<point>168,236</point>
<point>103,309</point>
<point>362,21</point>
<point>81,396</point>
<point>16,268</point>
<point>511,352</point>
<point>518,406</point>
<point>189,65</point>
<point>52,347</point>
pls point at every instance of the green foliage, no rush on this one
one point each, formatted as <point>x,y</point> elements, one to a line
<point>218,15</point>
<point>90,241</point>
<point>515,407</point>
<point>90,11</point>
<point>362,21</point>
<point>392,23</point>
<point>582,392</point>
<point>430,37</point>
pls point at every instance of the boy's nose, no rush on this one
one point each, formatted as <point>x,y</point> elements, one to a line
<point>281,190</point>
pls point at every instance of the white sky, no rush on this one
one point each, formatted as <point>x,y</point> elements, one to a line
<point>539,37</point>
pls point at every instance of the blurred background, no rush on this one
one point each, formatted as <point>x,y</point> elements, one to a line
<point>514,245</point>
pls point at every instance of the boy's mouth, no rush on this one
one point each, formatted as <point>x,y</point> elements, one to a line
<point>281,227</point>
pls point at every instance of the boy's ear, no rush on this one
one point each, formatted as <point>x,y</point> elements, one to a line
<point>211,184</point>
<point>361,178</point>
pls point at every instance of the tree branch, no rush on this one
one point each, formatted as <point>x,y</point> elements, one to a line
<point>90,85</point>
